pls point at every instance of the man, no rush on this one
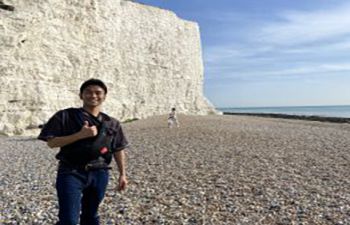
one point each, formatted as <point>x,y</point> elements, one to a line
<point>87,139</point>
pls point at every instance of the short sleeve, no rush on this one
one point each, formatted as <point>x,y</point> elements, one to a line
<point>53,128</point>
<point>119,141</point>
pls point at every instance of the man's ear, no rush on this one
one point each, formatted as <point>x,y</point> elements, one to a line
<point>81,98</point>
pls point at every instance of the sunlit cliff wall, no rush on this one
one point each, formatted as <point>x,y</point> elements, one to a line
<point>149,58</point>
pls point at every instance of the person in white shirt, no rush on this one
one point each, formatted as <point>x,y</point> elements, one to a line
<point>172,119</point>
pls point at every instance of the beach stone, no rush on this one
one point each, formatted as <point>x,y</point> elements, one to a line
<point>268,172</point>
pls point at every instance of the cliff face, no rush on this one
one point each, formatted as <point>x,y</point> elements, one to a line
<point>148,57</point>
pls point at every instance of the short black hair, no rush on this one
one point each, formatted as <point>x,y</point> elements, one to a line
<point>93,81</point>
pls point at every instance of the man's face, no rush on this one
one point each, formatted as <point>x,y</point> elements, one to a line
<point>93,95</point>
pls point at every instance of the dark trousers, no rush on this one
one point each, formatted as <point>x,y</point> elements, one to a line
<point>79,194</point>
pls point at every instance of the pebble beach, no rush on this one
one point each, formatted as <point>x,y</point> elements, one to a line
<point>212,170</point>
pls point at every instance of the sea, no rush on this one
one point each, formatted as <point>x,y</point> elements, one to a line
<point>342,111</point>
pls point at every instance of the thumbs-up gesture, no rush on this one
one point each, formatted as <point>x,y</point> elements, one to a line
<point>88,131</point>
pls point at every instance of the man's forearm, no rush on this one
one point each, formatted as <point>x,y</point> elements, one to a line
<point>62,141</point>
<point>85,132</point>
<point>120,159</point>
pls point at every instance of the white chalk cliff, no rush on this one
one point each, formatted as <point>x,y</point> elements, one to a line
<point>149,58</point>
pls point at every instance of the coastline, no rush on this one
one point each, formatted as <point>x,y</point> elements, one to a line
<point>297,117</point>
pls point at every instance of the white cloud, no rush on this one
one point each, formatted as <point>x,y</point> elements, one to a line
<point>217,54</point>
<point>306,27</point>
<point>303,71</point>
<point>303,45</point>
<point>228,53</point>
<point>320,49</point>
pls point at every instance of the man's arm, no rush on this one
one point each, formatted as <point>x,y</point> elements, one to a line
<point>85,132</point>
<point>119,157</point>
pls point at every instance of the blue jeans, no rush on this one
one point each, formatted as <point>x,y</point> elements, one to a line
<point>80,190</point>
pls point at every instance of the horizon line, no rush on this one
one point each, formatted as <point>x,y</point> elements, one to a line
<point>285,106</point>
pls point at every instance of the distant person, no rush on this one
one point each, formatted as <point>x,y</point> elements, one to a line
<point>172,119</point>
<point>88,139</point>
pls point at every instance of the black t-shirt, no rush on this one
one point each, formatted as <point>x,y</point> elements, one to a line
<point>69,121</point>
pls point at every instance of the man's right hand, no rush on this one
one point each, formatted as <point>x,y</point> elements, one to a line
<point>85,132</point>
<point>88,131</point>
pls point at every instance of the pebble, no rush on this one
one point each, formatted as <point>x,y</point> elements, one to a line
<point>216,170</point>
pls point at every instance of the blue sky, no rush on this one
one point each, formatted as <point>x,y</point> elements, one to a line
<point>271,52</point>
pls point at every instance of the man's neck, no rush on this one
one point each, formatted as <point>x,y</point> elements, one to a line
<point>95,111</point>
